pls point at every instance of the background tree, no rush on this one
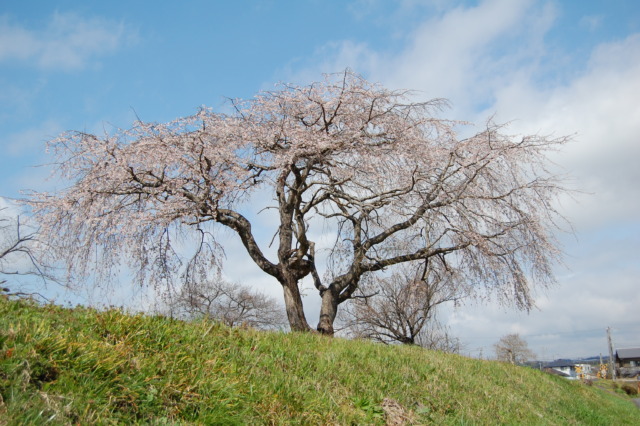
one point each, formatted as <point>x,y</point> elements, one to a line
<point>395,182</point>
<point>230,303</point>
<point>401,307</point>
<point>21,255</point>
<point>513,349</point>
<point>438,337</point>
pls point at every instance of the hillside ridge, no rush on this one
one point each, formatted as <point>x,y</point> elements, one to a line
<point>81,365</point>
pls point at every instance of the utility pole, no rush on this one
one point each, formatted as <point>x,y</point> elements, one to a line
<point>611,361</point>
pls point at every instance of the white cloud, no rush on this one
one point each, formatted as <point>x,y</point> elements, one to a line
<point>67,42</point>
<point>8,209</point>
<point>490,59</point>
<point>494,59</point>
<point>458,54</point>
<point>600,107</point>
<point>571,318</point>
<point>449,56</point>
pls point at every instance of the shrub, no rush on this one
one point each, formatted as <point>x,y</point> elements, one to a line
<point>630,389</point>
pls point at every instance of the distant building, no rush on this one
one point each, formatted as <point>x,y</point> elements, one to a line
<point>628,362</point>
<point>568,368</point>
<point>628,357</point>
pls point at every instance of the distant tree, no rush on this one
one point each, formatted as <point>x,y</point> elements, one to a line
<point>401,307</point>
<point>513,349</point>
<point>21,254</point>
<point>438,337</point>
<point>395,182</point>
<point>233,304</point>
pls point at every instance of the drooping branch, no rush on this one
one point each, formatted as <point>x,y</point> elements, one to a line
<point>391,182</point>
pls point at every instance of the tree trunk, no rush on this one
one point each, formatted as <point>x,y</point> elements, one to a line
<point>293,304</point>
<point>328,311</point>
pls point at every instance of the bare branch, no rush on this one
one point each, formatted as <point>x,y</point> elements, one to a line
<point>232,304</point>
<point>378,171</point>
<point>22,253</point>
<point>402,307</point>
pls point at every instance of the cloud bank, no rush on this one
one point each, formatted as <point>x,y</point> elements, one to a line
<point>496,59</point>
<point>66,42</point>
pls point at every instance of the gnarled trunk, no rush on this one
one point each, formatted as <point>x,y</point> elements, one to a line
<point>328,311</point>
<point>293,304</point>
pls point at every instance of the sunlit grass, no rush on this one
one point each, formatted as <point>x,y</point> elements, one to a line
<point>69,366</point>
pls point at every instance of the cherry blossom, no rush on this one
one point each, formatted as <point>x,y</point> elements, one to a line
<point>396,182</point>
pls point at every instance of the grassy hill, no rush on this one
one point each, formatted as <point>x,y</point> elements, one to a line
<point>81,366</point>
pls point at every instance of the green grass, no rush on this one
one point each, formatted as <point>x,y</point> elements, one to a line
<point>81,366</point>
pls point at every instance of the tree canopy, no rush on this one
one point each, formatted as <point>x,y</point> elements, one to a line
<point>513,349</point>
<point>394,182</point>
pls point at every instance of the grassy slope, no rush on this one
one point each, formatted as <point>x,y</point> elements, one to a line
<point>82,366</point>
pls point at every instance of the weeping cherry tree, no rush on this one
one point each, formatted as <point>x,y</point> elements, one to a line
<point>390,180</point>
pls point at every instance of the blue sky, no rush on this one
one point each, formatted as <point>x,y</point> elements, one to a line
<point>552,67</point>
